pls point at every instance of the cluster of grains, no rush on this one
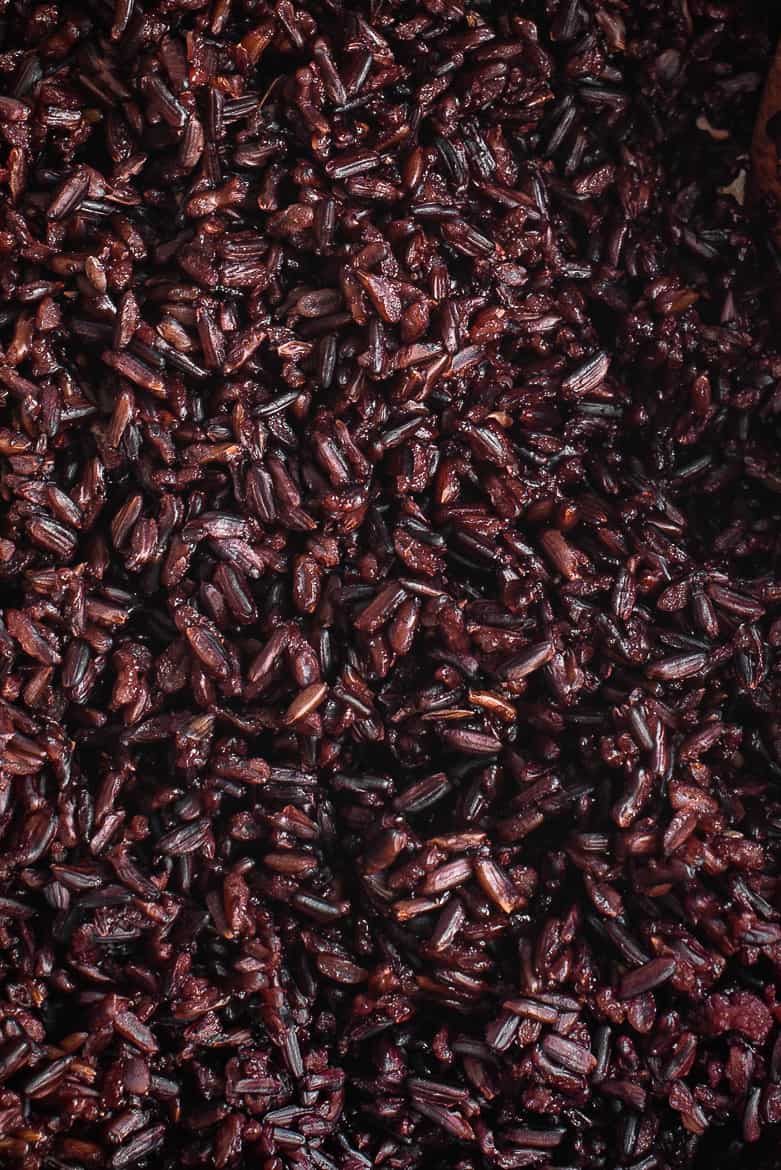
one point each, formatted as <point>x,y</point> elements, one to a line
<point>390,584</point>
